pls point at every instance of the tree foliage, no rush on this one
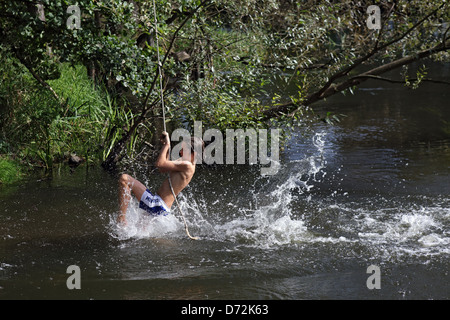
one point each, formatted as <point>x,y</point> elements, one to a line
<point>220,57</point>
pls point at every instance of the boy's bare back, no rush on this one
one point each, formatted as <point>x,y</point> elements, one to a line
<point>179,179</point>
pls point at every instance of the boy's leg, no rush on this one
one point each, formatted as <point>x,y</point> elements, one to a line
<point>127,186</point>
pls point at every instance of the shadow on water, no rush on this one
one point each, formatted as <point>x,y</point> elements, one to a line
<point>371,190</point>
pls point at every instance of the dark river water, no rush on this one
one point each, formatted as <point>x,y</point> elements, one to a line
<point>372,190</point>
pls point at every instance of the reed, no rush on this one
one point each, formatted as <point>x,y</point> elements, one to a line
<point>40,131</point>
<point>10,171</point>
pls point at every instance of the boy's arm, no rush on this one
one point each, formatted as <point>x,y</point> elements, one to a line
<point>163,163</point>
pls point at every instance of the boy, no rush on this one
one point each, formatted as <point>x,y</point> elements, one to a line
<point>180,171</point>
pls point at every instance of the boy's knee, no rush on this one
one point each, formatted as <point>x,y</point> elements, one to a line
<point>123,179</point>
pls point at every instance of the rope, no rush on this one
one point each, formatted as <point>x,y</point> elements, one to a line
<point>164,121</point>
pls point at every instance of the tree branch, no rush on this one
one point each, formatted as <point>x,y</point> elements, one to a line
<point>356,80</point>
<point>372,52</point>
<point>400,81</point>
<point>36,76</point>
<point>377,71</point>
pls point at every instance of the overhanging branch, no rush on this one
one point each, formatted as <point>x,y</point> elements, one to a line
<point>401,81</point>
<point>355,80</point>
<point>36,76</point>
<point>344,72</point>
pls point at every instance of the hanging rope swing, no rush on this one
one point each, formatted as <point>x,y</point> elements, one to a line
<point>164,121</point>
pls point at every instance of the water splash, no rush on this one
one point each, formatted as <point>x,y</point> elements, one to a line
<point>281,211</point>
<point>419,230</point>
<point>140,225</point>
<point>266,222</point>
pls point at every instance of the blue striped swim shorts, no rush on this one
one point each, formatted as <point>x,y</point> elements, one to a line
<point>153,204</point>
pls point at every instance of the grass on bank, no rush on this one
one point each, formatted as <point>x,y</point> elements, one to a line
<point>10,171</point>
